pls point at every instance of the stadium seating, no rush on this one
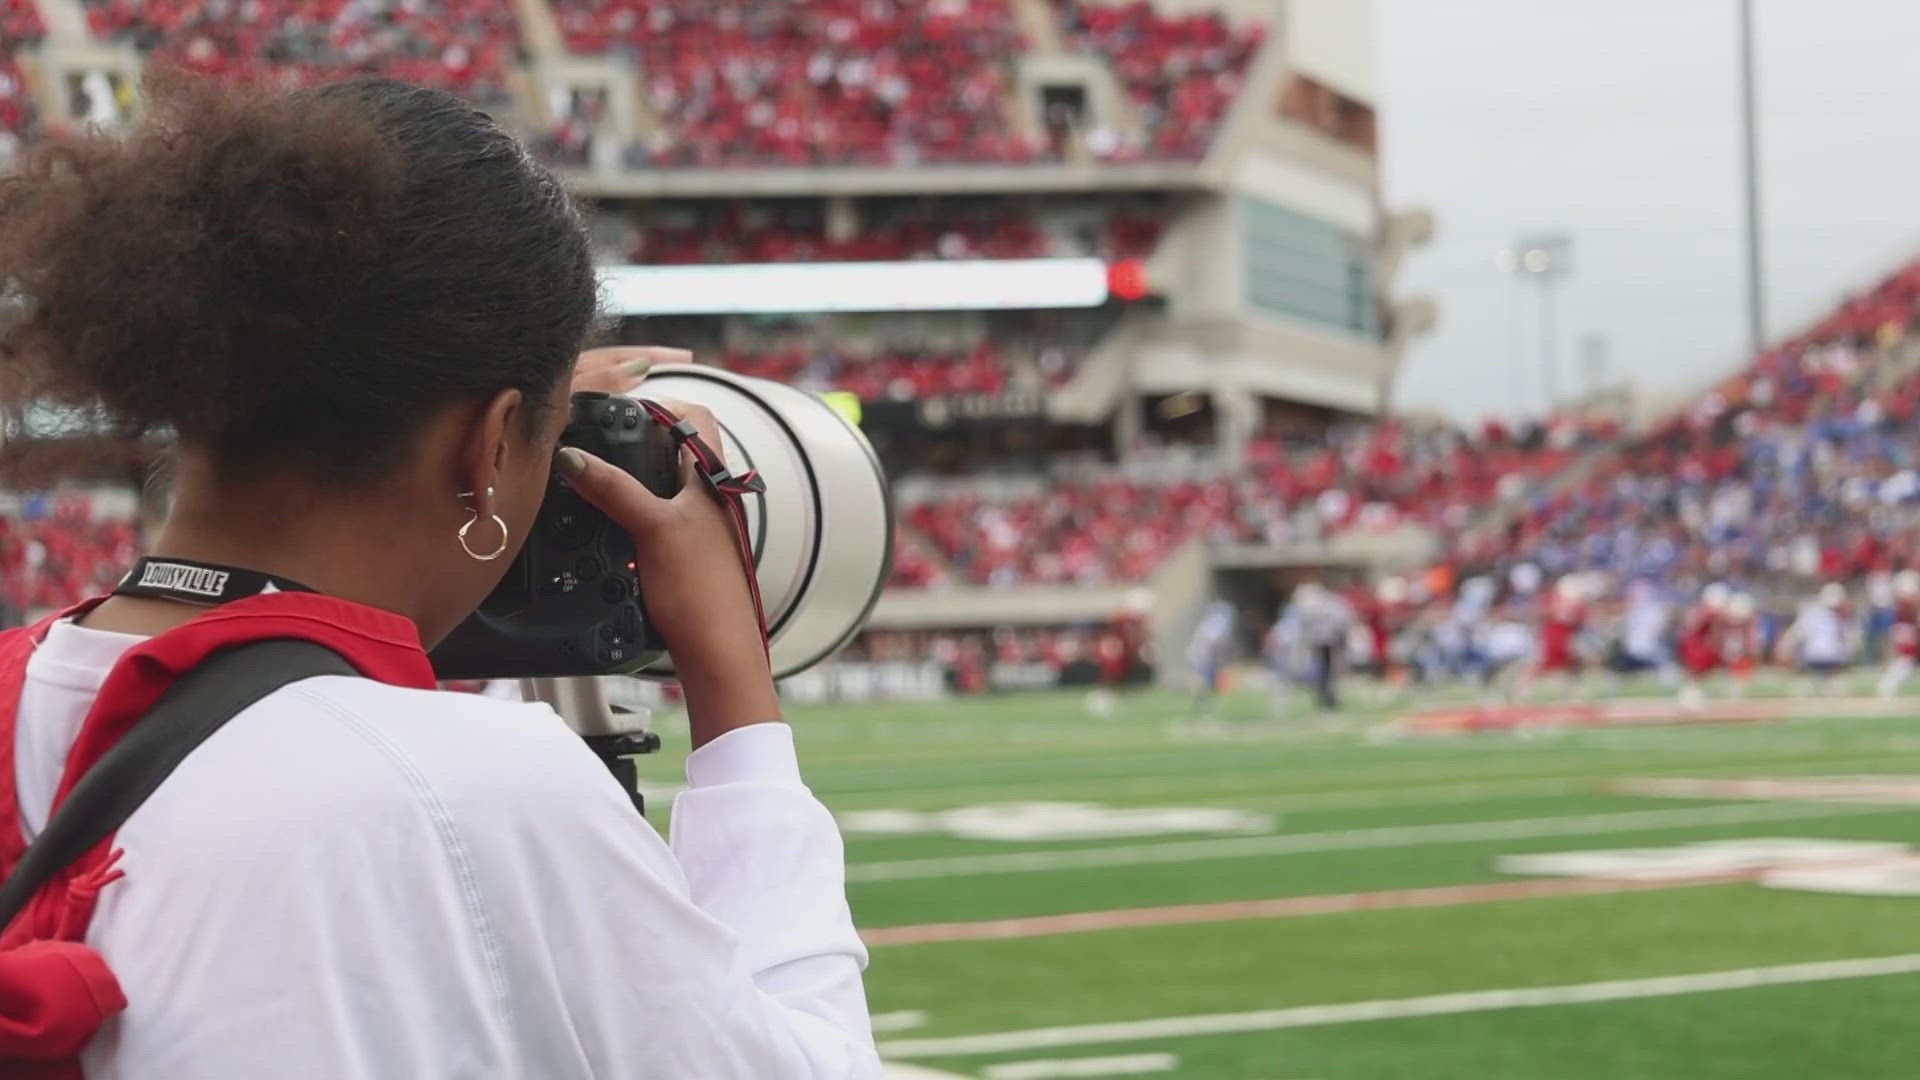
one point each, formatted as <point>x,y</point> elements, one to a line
<point>695,233</point>
<point>1182,72</point>
<point>902,373</point>
<point>915,566</point>
<point>1094,532</point>
<point>813,82</point>
<point>19,25</point>
<point>62,553</point>
<point>458,45</point>
<point>1800,468</point>
<point>732,233</point>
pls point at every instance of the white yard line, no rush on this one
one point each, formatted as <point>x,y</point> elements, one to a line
<point>1401,1008</point>
<point>889,1023</point>
<point>1345,840</point>
<point>1065,1068</point>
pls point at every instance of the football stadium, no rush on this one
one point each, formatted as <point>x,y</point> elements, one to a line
<point>1223,716</point>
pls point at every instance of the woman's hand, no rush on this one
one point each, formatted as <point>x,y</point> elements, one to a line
<point>694,578</point>
<point>618,369</point>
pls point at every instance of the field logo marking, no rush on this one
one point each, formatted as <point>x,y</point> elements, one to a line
<point>1756,855</point>
<point>1878,790</point>
<point>1354,1012</point>
<point>1031,822</point>
<point>1348,840</point>
<point>1892,877</point>
<point>1068,1068</point>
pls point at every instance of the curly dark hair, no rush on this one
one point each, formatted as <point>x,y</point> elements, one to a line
<point>293,282</point>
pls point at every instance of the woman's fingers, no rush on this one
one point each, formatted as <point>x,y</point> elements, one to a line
<point>619,368</point>
<point>622,497</point>
<point>612,490</point>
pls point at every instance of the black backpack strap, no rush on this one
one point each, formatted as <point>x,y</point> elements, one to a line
<point>198,704</point>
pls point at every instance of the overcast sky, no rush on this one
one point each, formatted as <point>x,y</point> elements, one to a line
<point>1618,123</point>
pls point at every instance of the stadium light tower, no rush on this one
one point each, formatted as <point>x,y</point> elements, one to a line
<point>1545,260</point>
<point>1756,252</point>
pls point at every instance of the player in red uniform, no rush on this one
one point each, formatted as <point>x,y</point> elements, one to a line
<point>1382,616</point>
<point>1903,639</point>
<point>1700,642</point>
<point>1561,623</point>
<point>1739,642</point>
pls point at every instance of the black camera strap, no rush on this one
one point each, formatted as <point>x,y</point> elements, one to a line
<point>187,714</point>
<point>205,584</point>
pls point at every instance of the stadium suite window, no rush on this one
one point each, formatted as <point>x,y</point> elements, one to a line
<point>1303,268</point>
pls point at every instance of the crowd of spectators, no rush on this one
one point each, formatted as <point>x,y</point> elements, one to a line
<point>1087,532</point>
<point>1804,466</point>
<point>731,83</point>
<point>1375,476</point>
<point>1802,469</point>
<point>727,233</point>
<point>888,231</point>
<point>1182,72</point>
<point>904,372</point>
<point>1118,526</point>
<point>743,83</point>
<point>459,45</point>
<point>19,120</point>
<point>58,550</point>
<point>915,565</point>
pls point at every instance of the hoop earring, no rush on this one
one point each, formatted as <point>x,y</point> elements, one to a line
<point>464,529</point>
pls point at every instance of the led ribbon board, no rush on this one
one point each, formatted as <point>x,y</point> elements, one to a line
<point>952,285</point>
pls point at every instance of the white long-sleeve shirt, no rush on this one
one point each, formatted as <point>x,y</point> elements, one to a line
<point>354,881</point>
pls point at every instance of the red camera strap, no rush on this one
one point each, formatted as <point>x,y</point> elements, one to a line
<point>729,487</point>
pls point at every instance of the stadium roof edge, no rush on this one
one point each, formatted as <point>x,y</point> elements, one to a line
<point>914,180</point>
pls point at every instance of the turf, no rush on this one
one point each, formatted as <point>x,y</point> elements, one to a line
<point>1351,814</point>
<point>1858,1030</point>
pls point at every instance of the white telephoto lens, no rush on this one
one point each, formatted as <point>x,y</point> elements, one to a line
<point>822,533</point>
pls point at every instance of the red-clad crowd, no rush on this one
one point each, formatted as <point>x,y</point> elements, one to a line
<point>742,233</point>
<point>59,551</point>
<point>1182,71</point>
<point>732,83</point>
<point>459,45</point>
<point>1370,476</point>
<point>19,120</point>
<point>736,232</point>
<point>813,82</point>
<point>1378,475</point>
<point>915,564</point>
<point>904,373</point>
<point>1093,532</point>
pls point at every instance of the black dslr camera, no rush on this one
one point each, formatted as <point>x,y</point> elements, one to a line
<point>570,604</point>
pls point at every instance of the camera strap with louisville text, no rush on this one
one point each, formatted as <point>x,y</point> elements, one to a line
<point>204,584</point>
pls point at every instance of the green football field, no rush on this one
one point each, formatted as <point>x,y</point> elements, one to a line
<point>1048,893</point>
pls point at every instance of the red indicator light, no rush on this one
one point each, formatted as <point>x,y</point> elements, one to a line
<point>1127,279</point>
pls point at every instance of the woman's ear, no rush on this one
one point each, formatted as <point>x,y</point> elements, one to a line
<point>491,440</point>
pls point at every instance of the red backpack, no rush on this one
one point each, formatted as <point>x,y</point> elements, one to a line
<point>55,991</point>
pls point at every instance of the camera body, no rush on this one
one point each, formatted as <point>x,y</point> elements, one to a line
<point>570,603</point>
<point>820,535</point>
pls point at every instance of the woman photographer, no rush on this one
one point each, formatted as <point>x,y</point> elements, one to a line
<point>357,310</point>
